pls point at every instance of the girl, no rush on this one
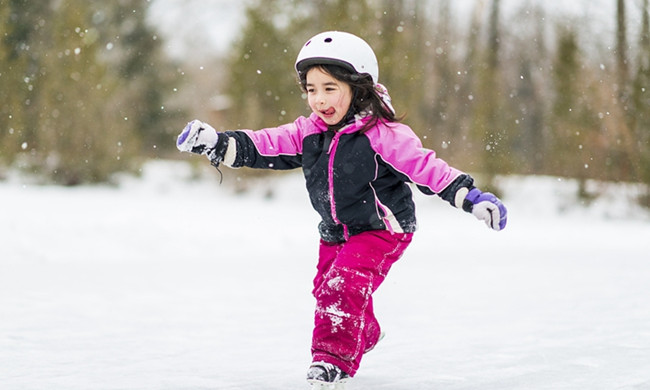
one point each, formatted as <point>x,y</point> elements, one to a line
<point>357,160</point>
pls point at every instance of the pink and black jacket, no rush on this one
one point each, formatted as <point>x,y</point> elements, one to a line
<point>356,181</point>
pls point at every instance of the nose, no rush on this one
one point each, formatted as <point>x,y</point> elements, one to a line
<point>320,98</point>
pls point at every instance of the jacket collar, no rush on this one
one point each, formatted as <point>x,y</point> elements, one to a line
<point>359,121</point>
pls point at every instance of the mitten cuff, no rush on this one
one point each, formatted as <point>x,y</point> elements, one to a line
<point>456,191</point>
<point>216,154</point>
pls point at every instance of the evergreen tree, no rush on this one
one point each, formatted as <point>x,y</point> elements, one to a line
<point>641,99</point>
<point>566,138</point>
<point>490,130</point>
<point>467,80</point>
<point>403,62</point>
<point>441,114</point>
<point>262,87</point>
<point>72,139</point>
<point>145,75</point>
<point>528,96</point>
<point>622,69</point>
<point>577,141</point>
<point>23,26</point>
<point>79,89</point>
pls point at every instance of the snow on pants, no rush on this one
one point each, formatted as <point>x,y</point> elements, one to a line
<point>348,273</point>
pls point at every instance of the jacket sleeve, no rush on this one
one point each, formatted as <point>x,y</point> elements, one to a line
<point>402,150</point>
<point>271,148</point>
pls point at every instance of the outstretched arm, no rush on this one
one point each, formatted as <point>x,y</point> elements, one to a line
<point>271,148</point>
<point>402,150</point>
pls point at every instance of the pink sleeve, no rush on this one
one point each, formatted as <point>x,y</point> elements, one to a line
<point>401,148</point>
<point>284,139</point>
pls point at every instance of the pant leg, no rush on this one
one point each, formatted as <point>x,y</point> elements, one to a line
<point>327,253</point>
<point>348,274</point>
<point>372,329</point>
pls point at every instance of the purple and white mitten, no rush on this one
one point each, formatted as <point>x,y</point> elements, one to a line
<point>486,207</point>
<point>197,137</point>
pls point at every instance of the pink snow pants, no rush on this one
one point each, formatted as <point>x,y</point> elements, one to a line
<point>348,273</point>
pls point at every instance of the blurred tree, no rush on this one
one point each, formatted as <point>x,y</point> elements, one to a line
<point>576,141</point>
<point>261,85</point>
<point>621,53</point>
<point>144,76</point>
<point>623,150</point>
<point>80,88</point>
<point>466,89</point>
<point>22,27</point>
<point>528,102</point>
<point>72,145</point>
<point>439,114</point>
<point>641,99</point>
<point>404,58</point>
<point>354,16</point>
<point>448,81</point>
<point>489,123</point>
<point>566,139</point>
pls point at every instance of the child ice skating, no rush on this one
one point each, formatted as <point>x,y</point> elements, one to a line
<point>357,160</point>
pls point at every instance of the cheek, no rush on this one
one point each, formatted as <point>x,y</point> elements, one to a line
<point>344,101</point>
<point>311,102</point>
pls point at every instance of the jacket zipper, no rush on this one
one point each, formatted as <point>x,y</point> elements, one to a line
<point>330,180</point>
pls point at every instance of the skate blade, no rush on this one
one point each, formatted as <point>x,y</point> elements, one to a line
<point>317,385</point>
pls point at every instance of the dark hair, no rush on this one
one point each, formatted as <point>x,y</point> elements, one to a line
<point>364,95</point>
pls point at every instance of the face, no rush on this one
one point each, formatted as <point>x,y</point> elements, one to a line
<point>328,97</point>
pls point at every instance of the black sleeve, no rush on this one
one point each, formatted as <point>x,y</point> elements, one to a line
<point>449,193</point>
<point>248,154</point>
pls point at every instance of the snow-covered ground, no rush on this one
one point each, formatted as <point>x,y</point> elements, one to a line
<point>168,282</point>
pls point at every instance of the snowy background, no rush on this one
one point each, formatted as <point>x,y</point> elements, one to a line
<point>171,281</point>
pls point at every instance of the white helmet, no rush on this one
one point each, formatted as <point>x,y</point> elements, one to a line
<point>339,48</point>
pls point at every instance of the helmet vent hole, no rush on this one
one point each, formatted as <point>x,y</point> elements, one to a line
<point>328,40</point>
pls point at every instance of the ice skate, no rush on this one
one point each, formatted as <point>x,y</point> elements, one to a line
<point>326,376</point>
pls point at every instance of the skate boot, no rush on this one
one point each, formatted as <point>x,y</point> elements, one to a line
<point>326,376</point>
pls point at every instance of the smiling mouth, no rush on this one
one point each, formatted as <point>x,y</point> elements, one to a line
<point>329,111</point>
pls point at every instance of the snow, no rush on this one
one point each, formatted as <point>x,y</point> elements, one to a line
<point>171,281</point>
